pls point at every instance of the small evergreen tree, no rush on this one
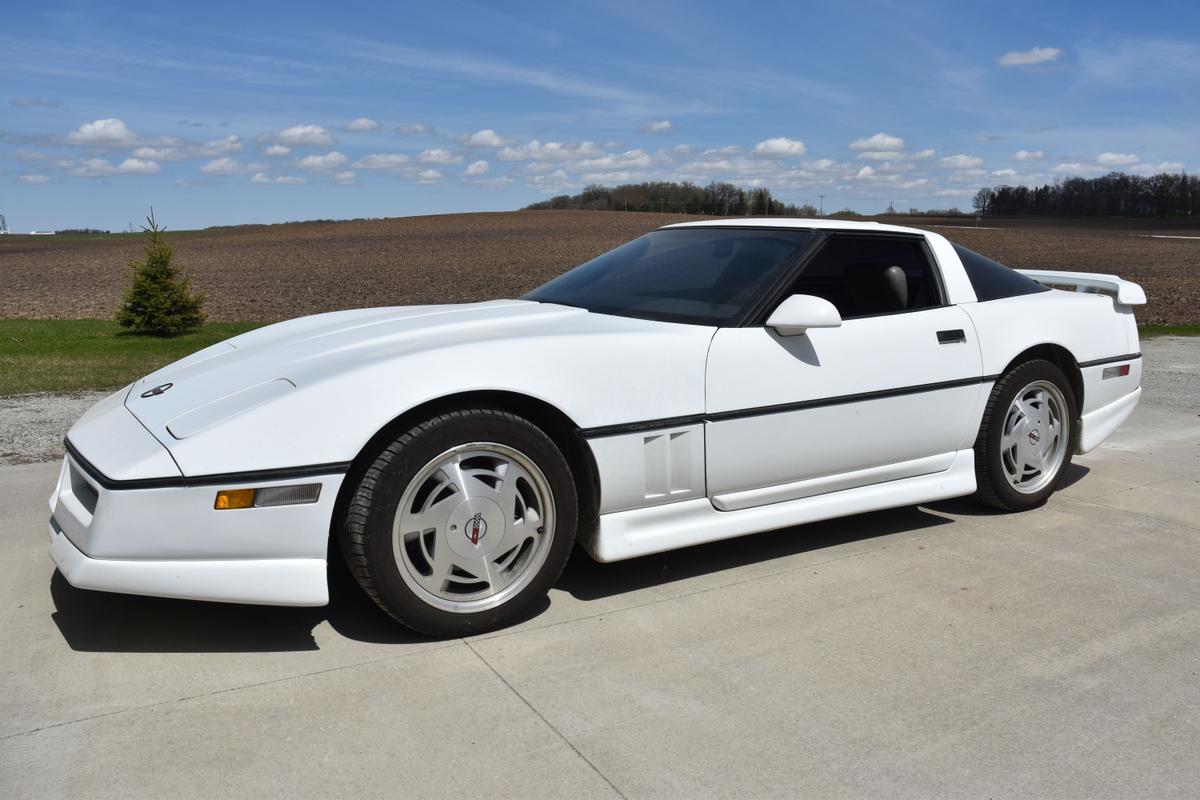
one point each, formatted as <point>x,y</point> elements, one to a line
<point>160,300</point>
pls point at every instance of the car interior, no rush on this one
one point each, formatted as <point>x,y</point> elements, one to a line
<point>868,276</point>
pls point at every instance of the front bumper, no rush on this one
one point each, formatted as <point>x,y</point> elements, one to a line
<point>171,542</point>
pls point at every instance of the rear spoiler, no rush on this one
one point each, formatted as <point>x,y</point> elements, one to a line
<point>1127,293</point>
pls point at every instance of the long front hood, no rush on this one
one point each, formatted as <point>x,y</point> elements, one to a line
<point>259,366</point>
<point>315,389</point>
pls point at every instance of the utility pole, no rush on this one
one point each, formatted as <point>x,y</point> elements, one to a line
<point>821,213</point>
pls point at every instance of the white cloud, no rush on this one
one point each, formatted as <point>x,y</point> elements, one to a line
<point>285,180</point>
<point>1005,173</point>
<point>476,168</point>
<point>780,147</point>
<point>894,155</point>
<point>553,182</point>
<point>550,151</point>
<point>879,142</point>
<point>1077,168</point>
<point>616,161</point>
<point>277,150</point>
<point>428,176</point>
<point>961,162</point>
<point>1027,58</point>
<point>223,166</point>
<point>410,128</point>
<point>170,149</point>
<point>33,179</point>
<point>436,155</point>
<point>346,178</point>
<point>221,147</point>
<point>99,167</point>
<point>382,161</point>
<point>484,138</point>
<point>865,172</point>
<point>305,136</point>
<point>156,153</point>
<point>361,124</point>
<point>1116,159</point>
<point>103,133</point>
<point>659,126</point>
<point>1028,155</point>
<point>137,166</point>
<point>330,161</point>
<point>1154,169</point>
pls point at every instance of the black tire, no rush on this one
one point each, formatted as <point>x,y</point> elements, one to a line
<point>367,532</point>
<point>994,488</point>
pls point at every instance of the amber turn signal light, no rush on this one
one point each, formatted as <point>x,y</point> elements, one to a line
<point>234,498</point>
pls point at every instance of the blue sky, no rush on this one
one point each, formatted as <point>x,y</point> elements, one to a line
<point>227,113</point>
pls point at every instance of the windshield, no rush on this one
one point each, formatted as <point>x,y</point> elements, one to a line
<point>707,276</point>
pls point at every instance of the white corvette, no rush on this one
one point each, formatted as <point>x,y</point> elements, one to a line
<point>705,381</point>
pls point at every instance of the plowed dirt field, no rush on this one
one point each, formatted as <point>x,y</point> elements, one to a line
<point>273,272</point>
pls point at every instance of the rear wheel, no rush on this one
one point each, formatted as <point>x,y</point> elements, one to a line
<point>1027,437</point>
<point>463,523</point>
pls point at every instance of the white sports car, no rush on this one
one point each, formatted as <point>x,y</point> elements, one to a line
<point>704,381</point>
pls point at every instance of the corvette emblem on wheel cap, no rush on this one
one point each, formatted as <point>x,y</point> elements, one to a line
<point>476,528</point>
<point>1035,437</point>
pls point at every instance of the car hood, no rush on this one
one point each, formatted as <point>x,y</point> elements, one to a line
<point>234,376</point>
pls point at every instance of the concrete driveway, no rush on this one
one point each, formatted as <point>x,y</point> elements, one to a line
<point>923,652</point>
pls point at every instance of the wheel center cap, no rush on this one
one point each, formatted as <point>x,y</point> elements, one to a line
<point>1035,436</point>
<point>476,528</point>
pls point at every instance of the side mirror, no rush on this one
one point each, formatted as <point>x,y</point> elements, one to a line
<point>803,311</point>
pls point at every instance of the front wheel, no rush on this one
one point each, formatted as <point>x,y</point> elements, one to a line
<point>1027,437</point>
<point>463,523</point>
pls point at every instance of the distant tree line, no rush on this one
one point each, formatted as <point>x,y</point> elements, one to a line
<point>718,198</point>
<point>1165,194</point>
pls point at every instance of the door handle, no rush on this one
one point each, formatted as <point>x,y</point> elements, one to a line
<point>952,336</point>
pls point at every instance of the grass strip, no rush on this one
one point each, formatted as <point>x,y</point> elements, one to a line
<point>1150,331</point>
<point>52,355</point>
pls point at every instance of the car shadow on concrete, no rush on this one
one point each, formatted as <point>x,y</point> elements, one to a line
<point>970,507</point>
<point>586,579</point>
<point>118,623</point>
<point>105,622</point>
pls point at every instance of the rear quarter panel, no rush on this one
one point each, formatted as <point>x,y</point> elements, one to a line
<point>1089,326</point>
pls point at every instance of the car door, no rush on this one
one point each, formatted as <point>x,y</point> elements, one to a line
<point>887,395</point>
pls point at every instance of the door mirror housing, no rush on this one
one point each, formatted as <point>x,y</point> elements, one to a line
<point>800,312</point>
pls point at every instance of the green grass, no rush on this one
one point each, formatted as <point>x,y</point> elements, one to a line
<point>1150,331</point>
<point>48,355</point>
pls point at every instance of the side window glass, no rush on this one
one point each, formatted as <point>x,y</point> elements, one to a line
<point>992,280</point>
<point>866,276</point>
